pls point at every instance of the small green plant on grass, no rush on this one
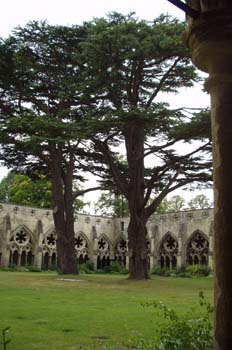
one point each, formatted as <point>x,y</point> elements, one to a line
<point>5,341</point>
<point>183,333</point>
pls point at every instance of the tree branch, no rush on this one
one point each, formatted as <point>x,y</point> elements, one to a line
<point>187,9</point>
<point>162,80</point>
<point>81,192</point>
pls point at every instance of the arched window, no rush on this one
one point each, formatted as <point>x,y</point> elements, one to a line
<point>82,248</point>
<point>167,254</point>
<point>197,249</point>
<point>45,263</point>
<point>103,259</point>
<point>53,260</point>
<point>20,247</point>
<point>121,251</point>
<point>23,258</point>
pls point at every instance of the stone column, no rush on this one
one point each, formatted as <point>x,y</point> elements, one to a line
<point>210,39</point>
<point>179,257</point>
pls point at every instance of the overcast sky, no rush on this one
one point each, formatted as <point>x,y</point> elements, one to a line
<point>18,12</point>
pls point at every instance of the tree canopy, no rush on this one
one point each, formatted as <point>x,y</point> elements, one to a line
<point>130,64</point>
<point>74,96</point>
<point>41,110</point>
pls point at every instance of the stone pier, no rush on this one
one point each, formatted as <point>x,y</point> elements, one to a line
<point>210,38</point>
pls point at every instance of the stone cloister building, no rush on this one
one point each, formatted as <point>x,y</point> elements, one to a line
<point>27,237</point>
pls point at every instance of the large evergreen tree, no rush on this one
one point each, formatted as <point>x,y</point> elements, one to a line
<point>130,64</point>
<point>41,111</point>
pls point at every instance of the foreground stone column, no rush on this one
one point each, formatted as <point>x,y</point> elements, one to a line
<point>210,39</point>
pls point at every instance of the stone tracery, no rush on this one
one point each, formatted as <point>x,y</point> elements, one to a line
<point>21,248</point>
<point>82,248</point>
<point>197,249</point>
<point>168,250</point>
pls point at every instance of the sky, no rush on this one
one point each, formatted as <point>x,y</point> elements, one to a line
<point>19,12</point>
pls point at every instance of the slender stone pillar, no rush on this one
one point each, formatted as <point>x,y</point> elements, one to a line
<point>179,257</point>
<point>210,39</point>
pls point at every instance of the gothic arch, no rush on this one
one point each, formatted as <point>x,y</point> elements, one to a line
<point>22,247</point>
<point>120,250</point>
<point>197,249</point>
<point>104,251</point>
<point>83,247</point>
<point>168,251</point>
<point>49,251</point>
<point>49,241</point>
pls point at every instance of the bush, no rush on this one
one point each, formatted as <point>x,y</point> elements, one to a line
<point>32,268</point>
<point>184,271</point>
<point>114,268</point>
<point>182,333</point>
<point>198,270</point>
<point>162,271</point>
<point>87,267</point>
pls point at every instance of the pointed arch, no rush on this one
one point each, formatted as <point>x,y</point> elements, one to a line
<point>49,240</point>
<point>168,251</point>
<point>197,248</point>
<point>21,245</point>
<point>108,243</point>
<point>104,251</point>
<point>120,250</point>
<point>83,247</point>
<point>22,235</point>
<point>85,243</point>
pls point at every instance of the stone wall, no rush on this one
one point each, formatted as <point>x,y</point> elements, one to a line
<point>27,237</point>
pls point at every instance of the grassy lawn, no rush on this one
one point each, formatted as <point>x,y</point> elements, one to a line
<point>45,312</point>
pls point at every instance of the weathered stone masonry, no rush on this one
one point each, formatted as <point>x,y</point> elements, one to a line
<point>27,237</point>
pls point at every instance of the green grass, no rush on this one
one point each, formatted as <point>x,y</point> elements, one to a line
<point>46,313</point>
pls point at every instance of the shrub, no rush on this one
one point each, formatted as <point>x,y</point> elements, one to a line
<point>115,267</point>
<point>198,270</point>
<point>87,267</point>
<point>181,332</point>
<point>156,270</point>
<point>32,268</point>
<point>162,271</point>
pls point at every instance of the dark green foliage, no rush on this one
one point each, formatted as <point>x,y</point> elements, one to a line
<point>87,267</point>
<point>112,204</point>
<point>32,268</point>
<point>102,81</point>
<point>198,270</point>
<point>182,332</point>
<point>41,112</point>
<point>184,271</point>
<point>130,63</point>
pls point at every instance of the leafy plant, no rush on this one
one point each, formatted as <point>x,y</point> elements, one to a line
<point>115,267</point>
<point>87,267</point>
<point>183,333</point>
<point>198,270</point>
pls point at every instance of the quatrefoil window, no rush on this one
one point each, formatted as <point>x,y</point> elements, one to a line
<point>80,243</point>
<point>170,243</point>
<point>102,244</point>
<point>199,243</point>
<point>51,240</point>
<point>21,237</point>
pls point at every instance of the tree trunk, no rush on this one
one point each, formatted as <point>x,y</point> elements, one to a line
<point>64,221</point>
<point>138,258</point>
